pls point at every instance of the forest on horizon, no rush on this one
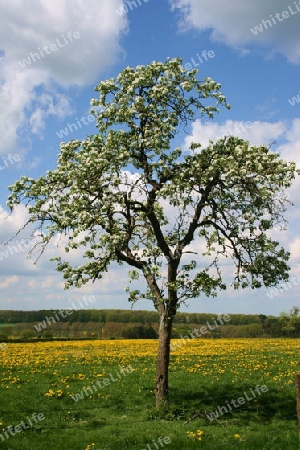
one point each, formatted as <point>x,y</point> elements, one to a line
<point>118,324</point>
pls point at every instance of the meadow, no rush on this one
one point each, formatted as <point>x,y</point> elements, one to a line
<point>85,395</point>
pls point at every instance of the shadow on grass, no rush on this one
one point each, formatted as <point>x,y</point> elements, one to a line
<point>274,403</point>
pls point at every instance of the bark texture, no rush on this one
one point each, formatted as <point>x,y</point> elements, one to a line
<point>163,359</point>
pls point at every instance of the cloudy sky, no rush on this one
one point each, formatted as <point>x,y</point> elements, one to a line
<point>251,48</point>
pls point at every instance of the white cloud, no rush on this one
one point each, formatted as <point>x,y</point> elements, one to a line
<point>42,23</point>
<point>31,93</point>
<point>295,251</point>
<point>291,149</point>
<point>255,132</point>
<point>9,224</point>
<point>8,281</point>
<point>231,23</point>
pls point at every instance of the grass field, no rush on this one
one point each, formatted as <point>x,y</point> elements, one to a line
<point>99,395</point>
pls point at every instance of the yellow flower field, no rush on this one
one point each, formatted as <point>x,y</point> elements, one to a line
<point>87,394</point>
<point>275,360</point>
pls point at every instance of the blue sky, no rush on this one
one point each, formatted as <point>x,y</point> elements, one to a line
<point>254,50</point>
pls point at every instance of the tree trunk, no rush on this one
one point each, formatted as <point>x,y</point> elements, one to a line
<point>163,358</point>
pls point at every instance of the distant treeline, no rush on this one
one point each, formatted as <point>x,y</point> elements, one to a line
<point>117,324</point>
<point>118,316</point>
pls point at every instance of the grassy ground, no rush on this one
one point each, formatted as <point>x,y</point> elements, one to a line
<point>114,383</point>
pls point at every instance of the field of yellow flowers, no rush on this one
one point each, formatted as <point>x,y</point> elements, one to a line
<point>100,394</point>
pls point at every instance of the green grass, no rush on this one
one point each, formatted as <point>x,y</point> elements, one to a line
<point>122,416</point>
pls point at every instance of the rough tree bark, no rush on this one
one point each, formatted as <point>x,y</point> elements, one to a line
<point>163,359</point>
<point>167,312</point>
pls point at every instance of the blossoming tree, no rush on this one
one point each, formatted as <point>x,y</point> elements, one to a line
<point>128,195</point>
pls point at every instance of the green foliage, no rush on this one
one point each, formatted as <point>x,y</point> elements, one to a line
<point>27,334</point>
<point>140,332</point>
<point>3,337</point>
<point>291,322</point>
<point>47,334</point>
